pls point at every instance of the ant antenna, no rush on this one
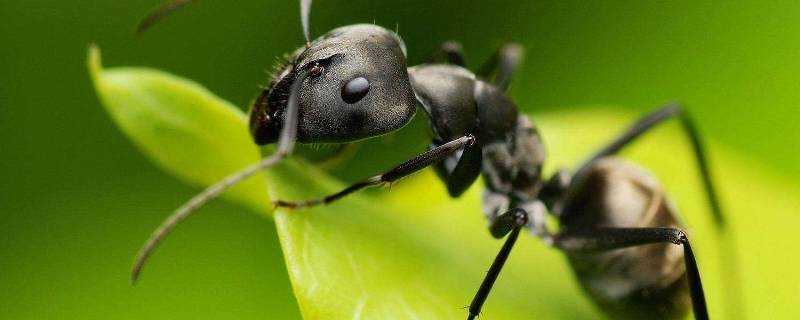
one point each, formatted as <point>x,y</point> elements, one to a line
<point>305,15</point>
<point>169,7</point>
<point>190,207</point>
<point>160,13</point>
<point>285,147</point>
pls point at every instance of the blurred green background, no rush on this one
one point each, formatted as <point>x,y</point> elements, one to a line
<point>76,199</point>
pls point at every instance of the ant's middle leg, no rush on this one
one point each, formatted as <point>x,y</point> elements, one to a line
<point>450,52</point>
<point>502,65</point>
<point>413,165</point>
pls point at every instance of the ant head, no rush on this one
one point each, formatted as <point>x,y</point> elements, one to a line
<point>353,85</point>
<point>347,85</point>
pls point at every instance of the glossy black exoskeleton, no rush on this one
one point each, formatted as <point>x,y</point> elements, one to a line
<point>618,229</point>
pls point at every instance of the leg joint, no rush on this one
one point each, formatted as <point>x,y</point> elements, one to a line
<point>682,237</point>
<point>510,220</point>
<point>676,236</point>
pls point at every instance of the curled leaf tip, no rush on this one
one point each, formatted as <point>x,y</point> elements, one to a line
<point>94,61</point>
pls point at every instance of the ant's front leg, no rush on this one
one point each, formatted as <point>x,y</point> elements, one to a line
<point>404,169</point>
<point>529,215</point>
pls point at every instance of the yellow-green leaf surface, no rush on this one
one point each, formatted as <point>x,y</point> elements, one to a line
<point>412,253</point>
<point>181,126</point>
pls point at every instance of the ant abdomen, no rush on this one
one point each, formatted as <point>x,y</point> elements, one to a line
<point>647,281</point>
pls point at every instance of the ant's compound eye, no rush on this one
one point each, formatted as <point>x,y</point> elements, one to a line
<point>355,89</point>
<point>315,71</point>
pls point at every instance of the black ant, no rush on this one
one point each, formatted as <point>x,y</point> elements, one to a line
<point>353,83</point>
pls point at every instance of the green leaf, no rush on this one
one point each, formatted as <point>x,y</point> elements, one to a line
<point>413,253</point>
<point>185,129</point>
<point>410,252</point>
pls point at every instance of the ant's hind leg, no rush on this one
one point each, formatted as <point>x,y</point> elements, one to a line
<point>605,239</point>
<point>643,126</point>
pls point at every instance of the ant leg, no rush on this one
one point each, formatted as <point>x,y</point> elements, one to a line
<point>285,146</point>
<point>648,122</point>
<point>404,169</point>
<point>449,51</point>
<point>604,239</point>
<point>511,221</point>
<point>459,172</point>
<point>502,64</point>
